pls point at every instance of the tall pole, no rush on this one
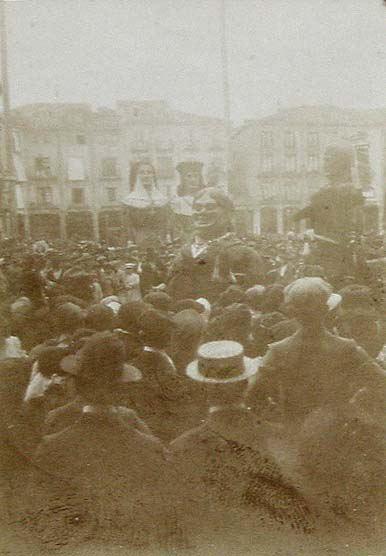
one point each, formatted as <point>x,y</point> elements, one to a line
<point>9,182</point>
<point>225,87</point>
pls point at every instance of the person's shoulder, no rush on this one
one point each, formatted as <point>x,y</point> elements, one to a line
<point>192,438</point>
<point>71,409</point>
<point>340,343</point>
<point>147,443</point>
<point>284,344</point>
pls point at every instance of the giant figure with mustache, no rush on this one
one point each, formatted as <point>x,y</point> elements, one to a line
<point>214,257</point>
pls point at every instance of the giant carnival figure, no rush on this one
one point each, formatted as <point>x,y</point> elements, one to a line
<point>191,182</point>
<point>334,213</point>
<point>147,206</point>
<point>215,258</point>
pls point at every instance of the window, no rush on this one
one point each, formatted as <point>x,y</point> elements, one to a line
<point>76,170</point>
<point>164,144</point>
<point>266,139</point>
<point>111,194</point>
<point>140,141</point>
<point>44,196</point>
<point>289,140</point>
<point>216,144</point>
<point>80,139</point>
<point>313,140</point>
<point>313,163</point>
<point>109,167</point>
<point>42,167</point>
<point>77,196</point>
<point>16,141</point>
<point>165,167</point>
<point>290,163</point>
<point>191,144</point>
<point>267,163</point>
<point>362,153</point>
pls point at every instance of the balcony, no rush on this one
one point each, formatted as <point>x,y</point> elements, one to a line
<point>140,147</point>
<point>42,206</point>
<point>39,175</point>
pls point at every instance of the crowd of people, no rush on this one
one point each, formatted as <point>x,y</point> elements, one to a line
<point>218,386</point>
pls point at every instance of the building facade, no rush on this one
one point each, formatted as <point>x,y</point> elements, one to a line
<point>74,163</point>
<point>277,163</point>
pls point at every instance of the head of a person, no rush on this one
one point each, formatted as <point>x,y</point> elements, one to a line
<point>68,317</point>
<point>102,371</point>
<point>5,329</point>
<point>236,322</point>
<point>273,298</point>
<point>358,318</point>
<point>161,301</point>
<point>129,314</point>
<point>212,213</point>
<point>130,268</point>
<point>99,318</point>
<point>223,370</point>
<point>309,300</point>
<point>188,330</point>
<point>62,383</point>
<point>155,329</point>
<point>254,297</point>
<point>233,294</point>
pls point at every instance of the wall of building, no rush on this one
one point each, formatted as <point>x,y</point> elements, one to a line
<point>77,161</point>
<point>278,161</point>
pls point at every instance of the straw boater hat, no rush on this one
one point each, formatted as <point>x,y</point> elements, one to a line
<point>222,362</point>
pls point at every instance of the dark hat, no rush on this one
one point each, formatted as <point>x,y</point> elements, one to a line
<point>129,313</point>
<point>189,165</point>
<point>159,300</point>
<point>101,362</point>
<point>254,296</point>
<point>222,362</point>
<point>235,316</point>
<point>153,321</point>
<point>49,360</point>
<point>69,315</point>
<point>233,294</point>
<point>188,322</point>
<point>358,298</point>
<point>191,304</point>
<point>99,317</point>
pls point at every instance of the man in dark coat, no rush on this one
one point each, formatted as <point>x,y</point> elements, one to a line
<point>313,368</point>
<point>229,479</point>
<point>99,476</point>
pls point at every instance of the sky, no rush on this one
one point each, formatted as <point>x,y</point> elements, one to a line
<point>281,53</point>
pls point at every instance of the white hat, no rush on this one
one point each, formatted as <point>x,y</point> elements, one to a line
<point>222,362</point>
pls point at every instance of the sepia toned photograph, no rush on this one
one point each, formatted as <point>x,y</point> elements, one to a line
<point>192,277</point>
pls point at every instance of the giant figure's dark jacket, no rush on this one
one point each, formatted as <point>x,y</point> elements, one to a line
<point>332,210</point>
<point>210,273</point>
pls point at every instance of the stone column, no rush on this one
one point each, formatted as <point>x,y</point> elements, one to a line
<point>256,222</point>
<point>280,223</point>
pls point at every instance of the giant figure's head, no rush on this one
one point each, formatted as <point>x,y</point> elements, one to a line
<point>191,180</point>
<point>143,172</point>
<point>338,163</point>
<point>212,213</point>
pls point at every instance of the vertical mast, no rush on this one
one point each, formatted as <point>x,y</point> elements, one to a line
<point>225,87</point>
<point>9,181</point>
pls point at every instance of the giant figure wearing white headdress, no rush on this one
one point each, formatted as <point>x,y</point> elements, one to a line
<point>147,205</point>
